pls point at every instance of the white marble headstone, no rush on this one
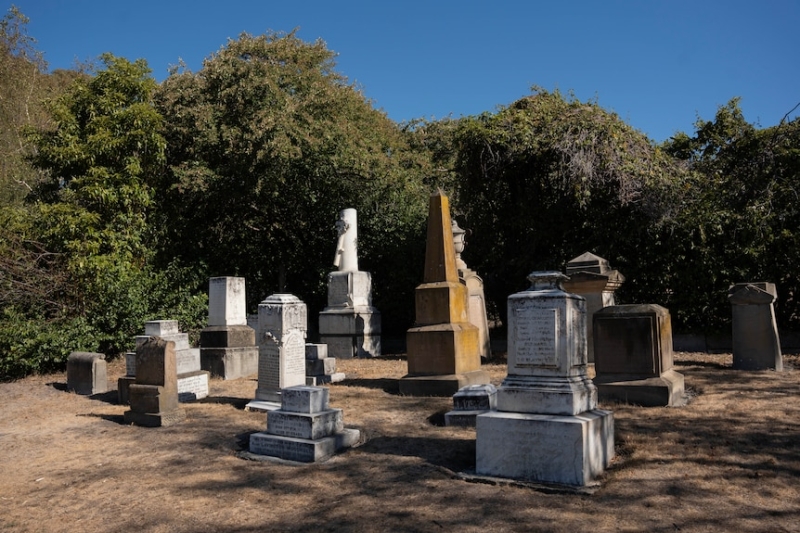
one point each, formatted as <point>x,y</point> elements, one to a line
<point>226,302</point>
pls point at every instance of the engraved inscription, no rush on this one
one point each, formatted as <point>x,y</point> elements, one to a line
<point>269,367</point>
<point>536,337</point>
<point>288,426</point>
<point>293,362</point>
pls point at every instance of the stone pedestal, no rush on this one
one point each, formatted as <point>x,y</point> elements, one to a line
<point>154,395</point>
<point>349,325</point>
<point>282,326</point>
<point>590,276</point>
<point>87,373</point>
<point>304,429</point>
<point>470,402</point>
<point>547,427</point>
<point>756,345</point>
<point>227,346</point>
<point>320,368</point>
<point>633,347</point>
<point>443,348</point>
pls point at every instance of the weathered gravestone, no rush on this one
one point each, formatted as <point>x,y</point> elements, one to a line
<point>281,335</point>
<point>443,347</point>
<point>590,276</point>
<point>87,373</point>
<point>756,344</point>
<point>633,356</point>
<point>154,395</point>
<point>469,402</point>
<point>547,427</point>
<point>304,429</point>
<point>349,325</point>
<point>476,301</point>
<point>319,367</point>
<point>228,345</point>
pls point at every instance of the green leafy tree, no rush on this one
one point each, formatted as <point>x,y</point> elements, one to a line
<point>267,143</point>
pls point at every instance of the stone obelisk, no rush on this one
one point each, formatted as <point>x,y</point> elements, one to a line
<point>443,347</point>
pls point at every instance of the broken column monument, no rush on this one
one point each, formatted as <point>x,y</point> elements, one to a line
<point>590,276</point>
<point>154,394</point>
<point>756,344</point>
<point>547,427</point>
<point>349,325</point>
<point>443,348</point>
<point>281,336</point>
<point>228,347</point>
<point>633,356</point>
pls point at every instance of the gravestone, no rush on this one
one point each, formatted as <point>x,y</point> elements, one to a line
<point>469,402</point>
<point>756,344</point>
<point>590,276</point>
<point>633,356</point>
<point>87,373</point>
<point>192,380</point>
<point>443,349</point>
<point>304,429</point>
<point>320,368</point>
<point>281,336</point>
<point>476,301</point>
<point>547,427</point>
<point>154,395</point>
<point>349,325</point>
<point>228,345</point>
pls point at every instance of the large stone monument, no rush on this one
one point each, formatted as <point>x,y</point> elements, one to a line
<point>87,373</point>
<point>228,345</point>
<point>547,427</point>
<point>154,395</point>
<point>192,379</point>
<point>633,356</point>
<point>756,345</point>
<point>476,301</point>
<point>282,326</point>
<point>591,276</point>
<point>349,325</point>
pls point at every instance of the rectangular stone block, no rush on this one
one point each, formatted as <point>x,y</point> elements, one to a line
<point>230,363</point>
<point>151,399</point>
<point>316,351</point>
<point>159,328</point>
<point>305,426</point>
<point>475,398</point>
<point>130,363</point>
<point>181,340</point>
<point>292,449</point>
<point>226,301</point>
<point>192,386</point>
<point>443,349</point>
<point>304,399</point>
<point>87,373</point>
<point>321,367</point>
<point>227,336</point>
<point>187,360</point>
<point>156,364</point>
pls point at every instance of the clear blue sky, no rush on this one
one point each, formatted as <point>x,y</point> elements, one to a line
<point>657,63</point>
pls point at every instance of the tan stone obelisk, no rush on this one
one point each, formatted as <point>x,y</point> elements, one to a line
<point>443,346</point>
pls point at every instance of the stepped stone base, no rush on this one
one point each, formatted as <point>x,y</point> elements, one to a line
<point>569,450</point>
<point>442,385</point>
<point>302,450</point>
<point>667,390</point>
<point>191,386</point>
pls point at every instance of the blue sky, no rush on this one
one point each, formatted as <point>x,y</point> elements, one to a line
<point>658,64</point>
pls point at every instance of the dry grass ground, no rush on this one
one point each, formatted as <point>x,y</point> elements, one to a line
<point>728,461</point>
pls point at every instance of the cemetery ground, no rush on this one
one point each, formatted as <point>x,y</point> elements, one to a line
<point>727,461</point>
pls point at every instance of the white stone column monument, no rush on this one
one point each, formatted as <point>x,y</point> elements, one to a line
<point>349,325</point>
<point>476,301</point>
<point>547,427</point>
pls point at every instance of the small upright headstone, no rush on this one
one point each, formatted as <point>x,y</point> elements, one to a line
<point>547,427</point>
<point>756,344</point>
<point>154,395</point>
<point>469,402</point>
<point>87,373</point>
<point>591,276</point>
<point>228,345</point>
<point>633,356</point>
<point>476,301</point>
<point>443,346</point>
<point>349,325</point>
<point>304,429</point>
<point>281,336</point>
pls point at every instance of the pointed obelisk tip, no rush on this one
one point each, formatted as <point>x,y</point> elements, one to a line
<point>439,250</point>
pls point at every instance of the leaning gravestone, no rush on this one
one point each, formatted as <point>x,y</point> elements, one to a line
<point>228,345</point>
<point>154,395</point>
<point>633,356</point>
<point>281,336</point>
<point>87,373</point>
<point>547,427</point>
<point>349,325</point>
<point>304,429</point>
<point>756,345</point>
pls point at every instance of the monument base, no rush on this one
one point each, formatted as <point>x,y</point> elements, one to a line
<point>442,385</point>
<point>462,418</point>
<point>302,450</point>
<point>154,420</point>
<point>569,450</point>
<point>230,363</point>
<point>666,390</point>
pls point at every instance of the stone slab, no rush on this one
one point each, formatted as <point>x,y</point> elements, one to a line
<point>262,406</point>
<point>321,367</point>
<point>226,301</point>
<point>227,336</point>
<point>664,391</point>
<point>155,419</point>
<point>302,450</point>
<point>230,363</point>
<point>314,381</point>
<point>192,386</point>
<point>547,395</point>
<point>444,385</point>
<point>475,397</point>
<point>159,328</point>
<point>303,425</point>
<point>304,399</point>
<point>569,450</point>
<point>462,418</point>
<point>316,351</point>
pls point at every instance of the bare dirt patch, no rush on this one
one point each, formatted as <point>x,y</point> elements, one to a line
<point>728,461</point>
